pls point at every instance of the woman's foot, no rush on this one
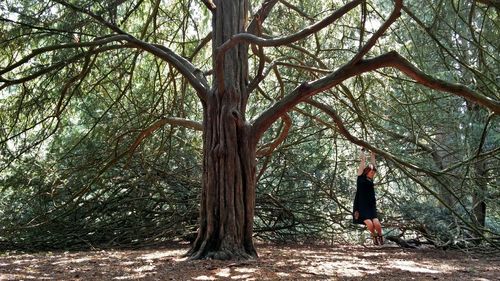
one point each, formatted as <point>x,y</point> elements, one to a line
<point>380,240</point>
<point>375,240</point>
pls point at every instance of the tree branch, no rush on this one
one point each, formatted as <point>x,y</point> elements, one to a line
<point>261,15</point>
<point>193,75</point>
<point>494,3</point>
<point>56,66</point>
<point>46,49</point>
<point>391,59</point>
<point>371,42</point>
<point>186,123</point>
<point>345,132</point>
<point>174,121</point>
<point>269,147</point>
<point>252,39</point>
<point>397,61</point>
<point>209,4</point>
<point>89,13</point>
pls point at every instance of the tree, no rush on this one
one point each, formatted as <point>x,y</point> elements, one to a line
<point>230,140</point>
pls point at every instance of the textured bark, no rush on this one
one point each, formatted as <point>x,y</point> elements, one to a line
<point>478,203</point>
<point>479,168</point>
<point>442,159</point>
<point>228,196</point>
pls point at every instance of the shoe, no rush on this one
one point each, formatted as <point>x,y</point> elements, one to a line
<point>375,240</point>
<point>380,240</point>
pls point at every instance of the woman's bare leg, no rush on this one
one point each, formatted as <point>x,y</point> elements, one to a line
<point>377,226</point>
<point>371,228</point>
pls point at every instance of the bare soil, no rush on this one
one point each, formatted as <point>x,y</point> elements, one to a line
<point>276,262</point>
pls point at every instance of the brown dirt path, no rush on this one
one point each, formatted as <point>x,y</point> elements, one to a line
<point>276,262</point>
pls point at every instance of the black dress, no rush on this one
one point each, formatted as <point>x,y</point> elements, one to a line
<point>364,201</point>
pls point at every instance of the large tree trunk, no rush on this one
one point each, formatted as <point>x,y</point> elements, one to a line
<point>228,196</point>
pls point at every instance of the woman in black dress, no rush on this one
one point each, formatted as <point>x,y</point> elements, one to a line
<point>365,204</point>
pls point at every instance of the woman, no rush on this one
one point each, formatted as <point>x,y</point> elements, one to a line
<point>365,205</point>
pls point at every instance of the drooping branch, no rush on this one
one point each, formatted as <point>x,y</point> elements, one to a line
<point>55,66</point>
<point>261,15</point>
<point>39,51</point>
<point>296,9</point>
<point>400,163</point>
<point>270,147</point>
<point>391,59</point>
<point>174,121</point>
<point>345,132</point>
<point>494,3</point>
<point>371,42</point>
<point>252,39</point>
<point>145,133</point>
<point>397,61</point>
<point>100,19</point>
<point>193,75</point>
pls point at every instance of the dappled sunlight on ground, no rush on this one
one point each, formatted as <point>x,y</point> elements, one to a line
<point>276,262</point>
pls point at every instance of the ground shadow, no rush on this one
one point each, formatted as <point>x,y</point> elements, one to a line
<point>276,262</point>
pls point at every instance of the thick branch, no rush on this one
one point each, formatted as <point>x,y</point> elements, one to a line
<point>391,59</point>
<point>397,61</point>
<point>345,132</point>
<point>252,39</point>
<point>192,74</point>
<point>175,121</point>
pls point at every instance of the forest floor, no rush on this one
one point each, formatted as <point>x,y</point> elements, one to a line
<point>276,262</point>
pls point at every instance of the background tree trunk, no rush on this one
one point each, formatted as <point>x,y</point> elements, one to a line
<point>480,190</point>
<point>478,203</point>
<point>228,196</point>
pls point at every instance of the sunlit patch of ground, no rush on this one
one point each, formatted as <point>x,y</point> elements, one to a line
<point>276,262</point>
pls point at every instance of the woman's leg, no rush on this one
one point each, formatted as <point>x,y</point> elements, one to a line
<point>369,226</point>
<point>378,228</point>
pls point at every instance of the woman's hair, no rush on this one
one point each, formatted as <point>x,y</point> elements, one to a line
<point>368,169</point>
